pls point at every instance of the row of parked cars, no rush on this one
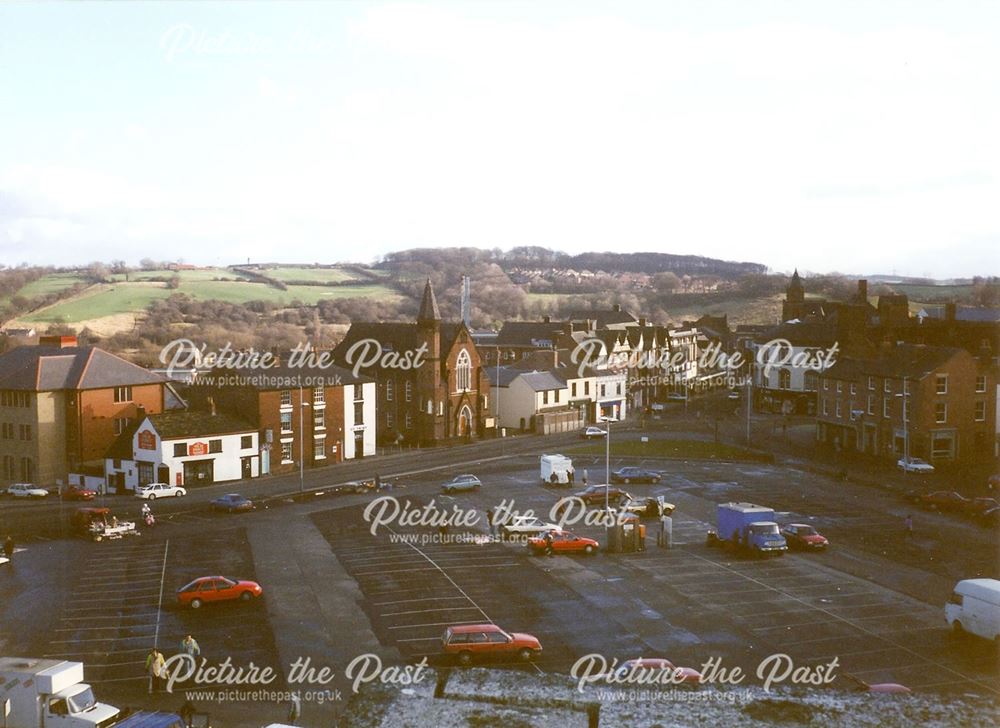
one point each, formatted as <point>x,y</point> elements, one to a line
<point>984,510</point>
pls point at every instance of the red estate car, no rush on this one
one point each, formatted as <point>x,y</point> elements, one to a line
<point>470,640</point>
<point>562,542</point>
<point>944,500</point>
<point>217,589</point>
<point>75,492</point>
<point>804,536</point>
<point>645,668</point>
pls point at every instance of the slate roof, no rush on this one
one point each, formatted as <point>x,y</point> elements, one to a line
<point>914,361</point>
<point>603,316</point>
<point>801,333</point>
<point>542,381</point>
<point>195,423</point>
<point>429,310</point>
<point>399,336</point>
<point>50,368</point>
<point>529,333</point>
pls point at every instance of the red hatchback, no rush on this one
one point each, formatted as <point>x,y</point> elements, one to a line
<point>75,492</point>
<point>487,640</point>
<point>216,589</point>
<point>562,542</point>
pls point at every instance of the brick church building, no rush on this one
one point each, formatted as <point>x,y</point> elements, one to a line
<point>444,396</point>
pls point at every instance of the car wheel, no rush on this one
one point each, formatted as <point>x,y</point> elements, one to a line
<point>151,496</point>
<point>465,657</point>
<point>626,481</point>
<point>230,510</point>
<point>958,629</point>
<point>246,596</point>
<point>195,603</point>
<point>588,549</point>
<point>178,494</point>
<point>525,654</point>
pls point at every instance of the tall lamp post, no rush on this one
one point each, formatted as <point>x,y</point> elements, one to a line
<point>607,463</point>
<point>906,435</point>
<point>302,440</point>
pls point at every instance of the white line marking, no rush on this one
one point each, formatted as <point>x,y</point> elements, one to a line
<point>426,611</point>
<point>410,601</point>
<point>159,604</point>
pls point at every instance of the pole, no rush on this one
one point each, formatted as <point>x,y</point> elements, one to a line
<point>607,465</point>
<point>302,443</point>
<point>906,434</point>
<point>497,401</point>
<point>748,403</point>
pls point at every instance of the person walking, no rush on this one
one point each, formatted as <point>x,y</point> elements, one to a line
<point>8,548</point>
<point>156,666</point>
<point>908,526</point>
<point>294,709</point>
<point>490,518</point>
<point>189,646</point>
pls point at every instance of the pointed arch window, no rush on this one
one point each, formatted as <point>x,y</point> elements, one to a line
<point>463,371</point>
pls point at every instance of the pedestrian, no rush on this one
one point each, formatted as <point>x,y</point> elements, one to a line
<point>186,713</point>
<point>8,548</point>
<point>156,666</point>
<point>548,543</point>
<point>908,526</point>
<point>490,516</point>
<point>294,709</point>
<point>189,646</point>
<point>571,476</point>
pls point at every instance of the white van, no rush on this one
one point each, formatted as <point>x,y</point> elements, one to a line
<point>556,470</point>
<point>974,607</point>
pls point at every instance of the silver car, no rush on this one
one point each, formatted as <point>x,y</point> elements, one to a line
<point>461,483</point>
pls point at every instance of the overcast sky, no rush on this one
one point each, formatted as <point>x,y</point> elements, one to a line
<point>861,137</point>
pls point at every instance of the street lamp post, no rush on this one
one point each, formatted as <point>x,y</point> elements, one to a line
<point>607,463</point>
<point>906,435</point>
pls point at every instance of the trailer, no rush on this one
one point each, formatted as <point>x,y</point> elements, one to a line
<point>50,694</point>
<point>748,527</point>
<point>556,470</point>
<point>99,524</point>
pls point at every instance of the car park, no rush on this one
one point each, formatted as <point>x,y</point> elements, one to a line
<point>914,465</point>
<point>26,490</point>
<point>525,526</point>
<point>635,475</point>
<point>646,669</point>
<point>461,483</point>
<point>76,493</point>
<point>593,433</point>
<point>944,500</point>
<point>647,507</point>
<point>232,502</point>
<point>467,641</point>
<point>207,589</point>
<point>804,537</point>
<point>976,506</point>
<point>159,490</point>
<point>598,494</point>
<point>562,542</point>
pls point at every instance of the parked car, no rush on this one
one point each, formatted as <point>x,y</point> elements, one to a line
<point>914,465</point>
<point>976,506</point>
<point>989,518</point>
<point>525,526</point>
<point>635,475</point>
<point>159,490</point>
<point>461,483</point>
<point>676,396</point>
<point>594,494</point>
<point>648,507</point>
<point>206,589</point>
<point>648,667</point>
<point>467,641</point>
<point>26,490</point>
<point>76,493</point>
<point>804,536</point>
<point>232,502</point>
<point>562,542</point>
<point>593,433</point>
<point>944,500</point>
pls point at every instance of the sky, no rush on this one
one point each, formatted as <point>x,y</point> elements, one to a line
<point>858,136</point>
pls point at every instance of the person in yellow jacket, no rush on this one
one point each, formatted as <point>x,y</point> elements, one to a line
<point>156,666</point>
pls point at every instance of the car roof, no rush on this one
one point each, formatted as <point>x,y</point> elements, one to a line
<point>464,628</point>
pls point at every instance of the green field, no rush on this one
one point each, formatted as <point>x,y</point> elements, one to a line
<point>320,275</point>
<point>132,298</point>
<point>931,294</point>
<point>52,283</point>
<point>200,274</point>
<point>694,449</point>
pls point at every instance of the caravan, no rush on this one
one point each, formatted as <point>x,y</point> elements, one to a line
<point>974,607</point>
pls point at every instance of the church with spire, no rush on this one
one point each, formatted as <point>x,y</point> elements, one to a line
<point>444,396</point>
<point>797,306</point>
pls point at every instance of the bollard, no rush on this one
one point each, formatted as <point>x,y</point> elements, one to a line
<point>594,715</point>
<point>668,527</point>
<point>442,682</point>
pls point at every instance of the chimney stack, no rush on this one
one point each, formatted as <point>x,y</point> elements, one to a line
<point>546,319</point>
<point>59,342</point>
<point>642,321</point>
<point>863,291</point>
<point>617,308</point>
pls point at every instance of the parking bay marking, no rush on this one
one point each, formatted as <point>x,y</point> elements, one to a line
<point>859,628</point>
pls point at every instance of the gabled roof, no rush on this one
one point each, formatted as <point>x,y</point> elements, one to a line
<point>913,361</point>
<point>50,368</point>
<point>542,381</point>
<point>603,316</point>
<point>502,376</point>
<point>529,333</point>
<point>801,333</point>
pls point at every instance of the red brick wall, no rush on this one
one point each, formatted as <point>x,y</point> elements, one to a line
<point>95,413</point>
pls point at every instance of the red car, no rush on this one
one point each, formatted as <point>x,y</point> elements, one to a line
<point>75,492</point>
<point>470,640</point>
<point>217,589</point>
<point>646,668</point>
<point>944,500</point>
<point>562,542</point>
<point>978,506</point>
<point>803,536</point>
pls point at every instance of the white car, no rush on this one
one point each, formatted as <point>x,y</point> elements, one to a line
<point>676,396</point>
<point>592,432</point>
<point>26,490</point>
<point>159,490</point>
<point>526,526</point>
<point>914,465</point>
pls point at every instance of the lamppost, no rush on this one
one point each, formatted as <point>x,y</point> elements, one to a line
<point>904,395</point>
<point>302,440</point>
<point>607,463</point>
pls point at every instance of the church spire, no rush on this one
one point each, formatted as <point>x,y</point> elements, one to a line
<point>429,306</point>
